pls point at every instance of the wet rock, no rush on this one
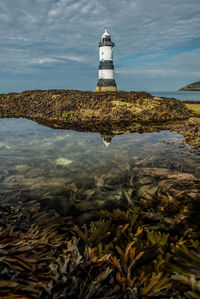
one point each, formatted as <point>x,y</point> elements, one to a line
<point>145,180</point>
<point>160,172</point>
<point>194,120</point>
<point>182,176</point>
<point>165,185</point>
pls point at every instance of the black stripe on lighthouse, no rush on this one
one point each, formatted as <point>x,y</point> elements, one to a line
<point>106,65</point>
<point>106,82</point>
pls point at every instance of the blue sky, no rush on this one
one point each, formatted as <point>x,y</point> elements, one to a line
<point>50,44</point>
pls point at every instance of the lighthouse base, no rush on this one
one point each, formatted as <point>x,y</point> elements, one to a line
<point>106,85</point>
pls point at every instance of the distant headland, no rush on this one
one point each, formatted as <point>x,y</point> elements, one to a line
<point>191,87</point>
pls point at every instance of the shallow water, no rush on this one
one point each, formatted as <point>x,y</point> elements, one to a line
<point>75,173</point>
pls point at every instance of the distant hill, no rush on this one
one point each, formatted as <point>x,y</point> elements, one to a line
<point>192,86</point>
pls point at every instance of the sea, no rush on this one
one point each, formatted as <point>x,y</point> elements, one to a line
<point>179,95</point>
<point>79,173</point>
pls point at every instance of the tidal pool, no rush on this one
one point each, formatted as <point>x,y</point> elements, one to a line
<point>79,173</point>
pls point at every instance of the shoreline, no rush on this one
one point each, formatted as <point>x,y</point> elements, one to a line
<point>189,89</point>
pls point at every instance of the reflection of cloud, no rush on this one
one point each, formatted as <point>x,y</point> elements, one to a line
<point>49,31</point>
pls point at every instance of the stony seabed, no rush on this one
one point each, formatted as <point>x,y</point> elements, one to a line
<point>147,247</point>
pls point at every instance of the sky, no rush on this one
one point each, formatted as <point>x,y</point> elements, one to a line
<point>53,44</point>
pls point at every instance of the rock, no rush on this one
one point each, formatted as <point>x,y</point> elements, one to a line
<point>160,172</point>
<point>182,176</point>
<point>194,120</point>
<point>145,180</point>
<point>63,161</point>
<point>83,108</point>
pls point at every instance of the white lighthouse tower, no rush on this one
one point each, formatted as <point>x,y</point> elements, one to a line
<point>106,81</point>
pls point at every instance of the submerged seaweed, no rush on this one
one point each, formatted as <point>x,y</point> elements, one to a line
<point>115,256</point>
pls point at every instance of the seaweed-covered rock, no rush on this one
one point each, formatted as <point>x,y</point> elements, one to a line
<point>82,107</point>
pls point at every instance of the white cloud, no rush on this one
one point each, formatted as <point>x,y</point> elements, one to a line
<point>181,65</point>
<point>155,73</point>
<point>43,60</point>
<point>73,58</point>
<point>55,59</point>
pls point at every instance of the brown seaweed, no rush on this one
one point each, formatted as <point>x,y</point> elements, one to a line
<point>149,249</point>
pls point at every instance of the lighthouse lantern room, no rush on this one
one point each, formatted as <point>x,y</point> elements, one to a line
<point>106,81</point>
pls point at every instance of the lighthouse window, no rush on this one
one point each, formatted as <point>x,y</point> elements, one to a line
<point>102,53</point>
<point>106,39</point>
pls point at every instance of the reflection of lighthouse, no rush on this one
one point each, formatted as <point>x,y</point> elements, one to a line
<point>106,80</point>
<point>107,139</point>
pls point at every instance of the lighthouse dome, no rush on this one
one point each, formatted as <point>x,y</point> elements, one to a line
<point>106,39</point>
<point>105,34</point>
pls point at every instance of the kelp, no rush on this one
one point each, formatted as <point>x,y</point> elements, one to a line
<point>125,268</point>
<point>185,266</point>
<point>134,253</point>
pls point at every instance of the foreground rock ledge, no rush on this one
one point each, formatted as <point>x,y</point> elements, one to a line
<point>80,107</point>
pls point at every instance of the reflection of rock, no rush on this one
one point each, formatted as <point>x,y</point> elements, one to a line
<point>106,139</point>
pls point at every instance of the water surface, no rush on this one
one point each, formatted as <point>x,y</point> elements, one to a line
<point>76,172</point>
<point>179,95</point>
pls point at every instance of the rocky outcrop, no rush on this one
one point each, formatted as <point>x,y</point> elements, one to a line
<point>191,87</point>
<point>104,112</point>
<point>67,107</point>
<point>190,129</point>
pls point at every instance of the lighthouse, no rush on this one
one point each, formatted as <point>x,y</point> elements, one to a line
<point>106,81</point>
